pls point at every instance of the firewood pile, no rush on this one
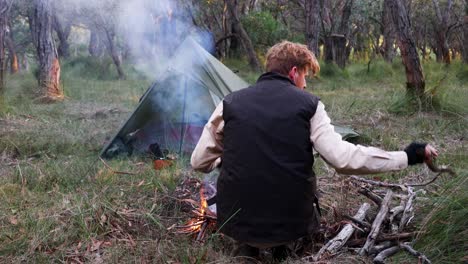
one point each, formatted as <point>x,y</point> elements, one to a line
<point>380,228</point>
<point>385,233</point>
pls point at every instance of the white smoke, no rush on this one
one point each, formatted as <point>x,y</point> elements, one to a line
<point>151,29</point>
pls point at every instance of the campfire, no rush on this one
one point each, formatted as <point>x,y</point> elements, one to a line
<point>203,217</point>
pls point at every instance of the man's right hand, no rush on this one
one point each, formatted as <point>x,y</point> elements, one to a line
<point>420,152</point>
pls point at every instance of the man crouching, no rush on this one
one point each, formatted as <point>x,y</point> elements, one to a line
<point>262,138</point>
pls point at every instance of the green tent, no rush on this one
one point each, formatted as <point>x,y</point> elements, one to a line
<point>173,111</point>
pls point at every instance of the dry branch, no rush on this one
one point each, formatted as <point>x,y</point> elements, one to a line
<point>378,183</point>
<point>415,253</point>
<point>380,247</point>
<point>380,258</point>
<point>394,212</point>
<point>114,171</point>
<point>375,230</point>
<point>339,240</point>
<point>408,212</point>
<point>441,170</point>
<point>381,238</point>
<point>359,222</point>
<point>369,194</point>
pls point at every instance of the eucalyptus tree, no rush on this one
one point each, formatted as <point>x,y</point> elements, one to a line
<point>41,21</point>
<point>415,81</point>
<point>5,6</point>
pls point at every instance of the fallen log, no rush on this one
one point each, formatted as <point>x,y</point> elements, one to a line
<point>380,258</point>
<point>375,230</point>
<point>332,246</point>
<point>412,251</point>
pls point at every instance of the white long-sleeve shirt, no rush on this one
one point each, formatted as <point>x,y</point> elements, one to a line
<point>345,157</point>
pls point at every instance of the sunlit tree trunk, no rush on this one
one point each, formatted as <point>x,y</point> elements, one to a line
<point>14,66</point>
<point>312,25</point>
<point>244,37</point>
<point>414,74</point>
<point>49,67</point>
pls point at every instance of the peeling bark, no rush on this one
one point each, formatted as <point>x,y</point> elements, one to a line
<point>49,67</point>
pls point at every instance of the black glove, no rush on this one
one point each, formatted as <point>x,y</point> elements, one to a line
<point>416,152</point>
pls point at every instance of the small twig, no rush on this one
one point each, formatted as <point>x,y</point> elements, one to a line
<point>114,171</point>
<point>375,230</point>
<point>202,231</point>
<point>378,183</point>
<point>412,251</point>
<point>442,170</point>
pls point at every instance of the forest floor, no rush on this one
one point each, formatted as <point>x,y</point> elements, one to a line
<point>60,203</point>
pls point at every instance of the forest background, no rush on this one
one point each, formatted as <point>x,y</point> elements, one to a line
<point>72,71</point>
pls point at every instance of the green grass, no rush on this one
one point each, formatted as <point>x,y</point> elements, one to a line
<point>59,202</point>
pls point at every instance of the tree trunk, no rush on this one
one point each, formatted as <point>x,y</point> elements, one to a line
<point>465,34</point>
<point>244,37</point>
<point>340,39</point>
<point>4,12</point>
<point>441,31</point>
<point>388,32</point>
<point>329,50</point>
<point>113,52</point>
<point>63,32</point>
<point>14,66</point>
<point>414,74</point>
<point>95,46</point>
<point>312,25</point>
<point>335,41</point>
<point>49,67</point>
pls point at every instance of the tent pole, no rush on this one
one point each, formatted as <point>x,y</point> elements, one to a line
<point>182,125</point>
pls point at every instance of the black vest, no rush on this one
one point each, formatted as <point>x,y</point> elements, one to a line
<point>266,190</point>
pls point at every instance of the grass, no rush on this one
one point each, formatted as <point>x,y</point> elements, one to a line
<point>61,204</point>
